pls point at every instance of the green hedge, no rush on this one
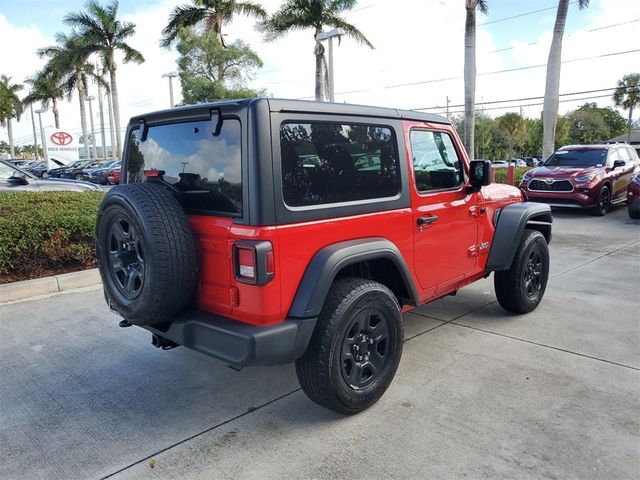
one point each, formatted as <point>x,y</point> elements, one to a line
<point>501,175</point>
<point>46,232</point>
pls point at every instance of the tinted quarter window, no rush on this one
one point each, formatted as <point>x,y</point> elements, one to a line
<point>436,165</point>
<point>324,163</point>
<point>205,169</point>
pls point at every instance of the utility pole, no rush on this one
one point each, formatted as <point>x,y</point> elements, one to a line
<point>100,107</point>
<point>35,137</point>
<point>448,101</point>
<point>44,140</point>
<point>94,151</point>
<point>170,76</point>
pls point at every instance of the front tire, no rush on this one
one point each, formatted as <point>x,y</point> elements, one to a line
<point>604,201</point>
<point>521,288</point>
<point>355,349</point>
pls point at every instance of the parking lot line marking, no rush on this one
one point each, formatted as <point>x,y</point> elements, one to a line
<point>196,435</point>
<point>544,345</point>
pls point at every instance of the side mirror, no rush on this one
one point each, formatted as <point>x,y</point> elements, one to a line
<point>480,175</point>
<point>18,179</point>
<point>619,163</point>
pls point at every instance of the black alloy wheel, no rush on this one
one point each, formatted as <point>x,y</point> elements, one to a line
<point>126,257</point>
<point>533,273</point>
<point>365,348</point>
<point>604,201</point>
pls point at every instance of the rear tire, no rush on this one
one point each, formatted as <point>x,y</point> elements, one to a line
<point>521,288</point>
<point>355,349</point>
<point>145,252</point>
<point>634,211</point>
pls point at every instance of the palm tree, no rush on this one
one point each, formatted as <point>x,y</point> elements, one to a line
<point>470,71</point>
<point>11,107</point>
<point>211,13</point>
<point>100,31</point>
<point>47,88</point>
<point>552,86</point>
<point>627,96</point>
<point>315,14</point>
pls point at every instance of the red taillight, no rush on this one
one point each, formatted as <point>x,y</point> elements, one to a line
<point>247,263</point>
<point>253,261</point>
<point>153,173</point>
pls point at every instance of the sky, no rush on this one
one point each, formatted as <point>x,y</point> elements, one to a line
<point>417,62</point>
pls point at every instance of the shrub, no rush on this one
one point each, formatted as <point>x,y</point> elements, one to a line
<point>501,174</point>
<point>46,232</point>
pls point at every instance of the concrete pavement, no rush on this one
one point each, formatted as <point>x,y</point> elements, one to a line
<point>479,393</point>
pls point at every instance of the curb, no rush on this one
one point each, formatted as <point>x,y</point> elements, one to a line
<point>25,289</point>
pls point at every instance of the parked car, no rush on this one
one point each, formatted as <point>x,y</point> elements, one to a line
<point>307,246</point>
<point>113,176</point>
<point>499,164</point>
<point>518,162</point>
<point>40,168</point>
<point>19,162</point>
<point>57,172</point>
<point>633,197</point>
<point>14,179</point>
<point>100,175</point>
<point>583,176</point>
<point>78,172</point>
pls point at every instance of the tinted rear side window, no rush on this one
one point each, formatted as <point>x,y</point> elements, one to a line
<point>325,163</point>
<point>205,169</point>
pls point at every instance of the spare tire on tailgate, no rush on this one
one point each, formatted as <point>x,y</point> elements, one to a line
<point>146,253</point>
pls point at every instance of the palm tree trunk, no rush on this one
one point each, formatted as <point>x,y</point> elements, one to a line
<point>552,87</point>
<point>116,108</point>
<point>56,113</point>
<point>83,116</point>
<point>470,77</point>
<point>318,51</point>
<point>112,130</point>
<point>12,150</point>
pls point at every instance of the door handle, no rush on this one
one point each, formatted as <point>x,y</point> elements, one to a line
<point>422,221</point>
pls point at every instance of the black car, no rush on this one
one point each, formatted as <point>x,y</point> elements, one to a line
<point>40,168</point>
<point>99,175</point>
<point>57,172</point>
<point>14,179</point>
<point>77,173</point>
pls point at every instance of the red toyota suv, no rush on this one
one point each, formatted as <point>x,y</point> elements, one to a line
<point>583,176</point>
<point>269,231</point>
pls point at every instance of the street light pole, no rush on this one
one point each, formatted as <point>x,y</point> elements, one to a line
<point>170,76</point>
<point>101,109</point>
<point>94,151</point>
<point>44,140</point>
<point>35,137</point>
<point>336,32</point>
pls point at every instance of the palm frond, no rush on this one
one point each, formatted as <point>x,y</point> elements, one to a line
<point>183,16</point>
<point>349,29</point>
<point>483,6</point>
<point>250,9</point>
<point>130,53</point>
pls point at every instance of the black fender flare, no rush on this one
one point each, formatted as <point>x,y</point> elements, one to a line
<point>511,222</point>
<point>328,261</point>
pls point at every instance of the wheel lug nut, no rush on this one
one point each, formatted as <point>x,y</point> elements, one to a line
<point>356,348</point>
<point>370,341</point>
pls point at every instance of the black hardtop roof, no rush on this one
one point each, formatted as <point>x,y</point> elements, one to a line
<point>294,106</point>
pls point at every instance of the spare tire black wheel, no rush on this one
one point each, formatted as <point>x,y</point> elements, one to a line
<point>145,252</point>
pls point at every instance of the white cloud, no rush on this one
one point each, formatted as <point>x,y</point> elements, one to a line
<point>422,41</point>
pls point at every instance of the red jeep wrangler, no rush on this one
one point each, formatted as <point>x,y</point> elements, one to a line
<point>270,231</point>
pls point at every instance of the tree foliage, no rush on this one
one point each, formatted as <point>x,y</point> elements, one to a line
<point>208,71</point>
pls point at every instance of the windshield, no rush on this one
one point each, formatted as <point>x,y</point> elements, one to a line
<point>578,158</point>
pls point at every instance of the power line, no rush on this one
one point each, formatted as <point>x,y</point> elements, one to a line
<point>629,88</point>
<point>490,22</point>
<point>446,79</point>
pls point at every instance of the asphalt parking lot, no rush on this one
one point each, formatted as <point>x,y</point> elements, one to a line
<point>480,393</point>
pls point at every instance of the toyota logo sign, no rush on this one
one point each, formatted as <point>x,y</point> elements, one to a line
<point>61,138</point>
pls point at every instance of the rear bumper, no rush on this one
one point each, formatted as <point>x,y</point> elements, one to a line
<point>239,343</point>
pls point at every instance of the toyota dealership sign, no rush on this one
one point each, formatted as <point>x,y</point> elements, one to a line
<point>61,145</point>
